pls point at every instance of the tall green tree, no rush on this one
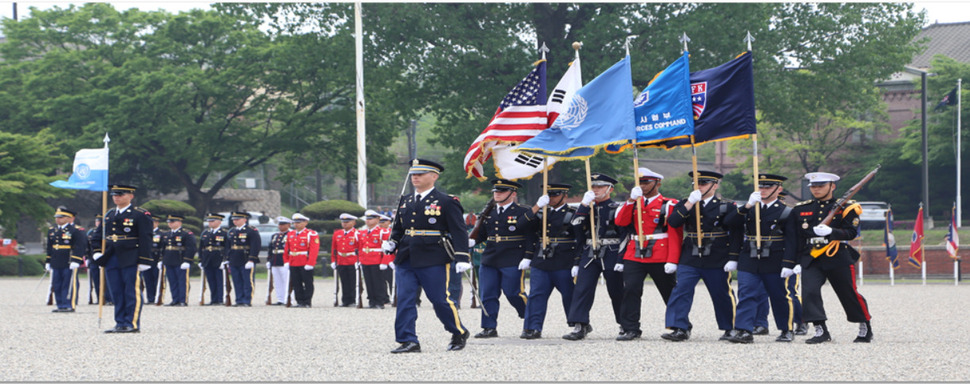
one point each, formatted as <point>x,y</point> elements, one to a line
<point>27,163</point>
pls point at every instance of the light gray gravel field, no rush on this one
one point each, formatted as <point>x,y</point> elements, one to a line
<point>920,335</point>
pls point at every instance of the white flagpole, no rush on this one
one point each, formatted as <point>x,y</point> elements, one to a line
<point>892,275</point>
<point>923,267</point>
<point>361,131</point>
<point>959,162</point>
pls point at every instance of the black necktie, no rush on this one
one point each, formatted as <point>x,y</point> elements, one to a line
<point>500,210</point>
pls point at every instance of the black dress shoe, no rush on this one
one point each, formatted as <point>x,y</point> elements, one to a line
<point>531,334</point>
<point>244,305</point>
<point>112,330</point>
<point>742,337</point>
<point>821,335</point>
<point>380,306</point>
<point>785,337</point>
<point>801,330</point>
<point>407,347</point>
<point>128,330</point>
<point>487,333</point>
<point>347,305</point>
<point>458,341</point>
<point>183,304</point>
<point>277,304</point>
<point>579,332</point>
<point>727,334</point>
<point>677,335</point>
<point>628,335</point>
<point>759,331</point>
<point>172,304</point>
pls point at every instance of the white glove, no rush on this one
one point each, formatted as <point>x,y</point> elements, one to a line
<point>731,265</point>
<point>822,230</point>
<point>388,246</point>
<point>74,265</point>
<point>357,265</point>
<point>618,267</point>
<point>97,255</point>
<point>249,265</point>
<point>159,265</point>
<point>575,271</point>
<point>47,267</point>
<point>670,268</point>
<point>524,264</point>
<point>588,197</point>
<point>144,267</point>
<point>787,272</point>
<point>797,270</point>
<point>269,266</point>
<point>754,198</point>
<point>391,264</point>
<point>222,266</point>
<point>461,266</point>
<point>286,265</point>
<point>543,201</point>
<point>383,267</point>
<point>200,265</point>
<point>308,267</point>
<point>185,266</point>
<point>636,192</point>
<point>695,196</point>
<point>471,243</point>
<point>333,265</point>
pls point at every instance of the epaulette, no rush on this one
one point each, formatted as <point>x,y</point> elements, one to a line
<point>140,209</point>
<point>253,228</point>
<point>803,202</point>
<point>455,197</point>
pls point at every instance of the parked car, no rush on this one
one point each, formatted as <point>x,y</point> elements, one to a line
<point>266,232</point>
<point>873,214</point>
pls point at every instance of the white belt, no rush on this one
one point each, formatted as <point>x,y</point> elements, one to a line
<point>373,250</point>
<point>299,253</point>
<point>654,236</point>
<point>609,241</point>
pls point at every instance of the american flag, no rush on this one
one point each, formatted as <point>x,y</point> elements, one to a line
<point>952,237</point>
<point>521,115</point>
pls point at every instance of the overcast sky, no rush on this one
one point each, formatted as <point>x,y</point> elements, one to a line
<point>937,11</point>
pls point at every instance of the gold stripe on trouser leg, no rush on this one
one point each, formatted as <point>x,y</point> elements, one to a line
<point>186,298</point>
<point>791,306</point>
<point>252,283</point>
<point>522,293</point>
<point>734,301</point>
<point>73,290</point>
<point>451,304</point>
<point>134,319</point>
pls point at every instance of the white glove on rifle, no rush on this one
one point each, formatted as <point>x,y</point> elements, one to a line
<point>695,196</point>
<point>97,255</point>
<point>159,265</point>
<point>249,265</point>
<point>185,266</point>
<point>588,197</point>
<point>471,243</point>
<point>383,267</point>
<point>286,265</point>
<point>574,271</point>
<point>144,267</point>
<point>524,264</point>
<point>786,273</point>
<point>357,265</point>
<point>754,199</point>
<point>269,265</point>
<point>461,267</point>
<point>333,265</point>
<point>308,267</point>
<point>200,265</point>
<point>543,201</point>
<point>47,267</point>
<point>618,267</point>
<point>636,192</point>
<point>388,246</point>
<point>670,268</point>
<point>822,230</point>
<point>74,265</point>
<point>222,266</point>
<point>391,264</point>
<point>797,270</point>
<point>731,265</point>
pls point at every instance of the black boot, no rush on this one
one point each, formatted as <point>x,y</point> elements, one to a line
<point>865,333</point>
<point>821,334</point>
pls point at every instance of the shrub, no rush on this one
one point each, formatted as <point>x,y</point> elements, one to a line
<point>33,265</point>
<point>163,208</point>
<point>331,209</point>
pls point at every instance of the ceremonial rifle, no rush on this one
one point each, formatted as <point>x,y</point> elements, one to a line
<point>336,285</point>
<point>269,289</point>
<point>832,247</point>
<point>202,292</point>
<point>228,299</point>
<point>161,286</point>
<point>360,287</point>
<point>50,291</point>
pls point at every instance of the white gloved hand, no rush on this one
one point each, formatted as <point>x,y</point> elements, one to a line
<point>388,246</point>
<point>269,265</point>
<point>695,196</point>
<point>471,243</point>
<point>461,266</point>
<point>383,267</point>
<point>543,201</point>
<point>391,264</point>
<point>588,197</point>
<point>797,270</point>
<point>636,192</point>
<point>308,267</point>
<point>670,268</point>
<point>731,265</point>
<point>822,230</point>
<point>574,271</point>
<point>74,265</point>
<point>159,265</point>
<point>200,265</point>
<point>786,272</point>
<point>222,266</point>
<point>144,267</point>
<point>333,265</point>
<point>185,266</point>
<point>249,265</point>
<point>357,265</point>
<point>618,267</point>
<point>754,198</point>
<point>286,265</point>
<point>97,255</point>
<point>47,267</point>
<point>524,264</point>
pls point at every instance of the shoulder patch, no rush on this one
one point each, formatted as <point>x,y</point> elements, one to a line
<point>190,232</point>
<point>455,197</point>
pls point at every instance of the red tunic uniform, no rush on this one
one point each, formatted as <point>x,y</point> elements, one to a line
<point>344,246</point>
<point>302,248</point>
<point>666,245</point>
<point>388,257</point>
<point>370,245</point>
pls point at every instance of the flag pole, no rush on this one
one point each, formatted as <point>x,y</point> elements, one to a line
<point>959,207</point>
<point>636,169</point>
<point>361,120</point>
<point>545,208</point>
<point>104,226</point>
<point>592,208</point>
<point>754,139</point>
<point>693,157</point>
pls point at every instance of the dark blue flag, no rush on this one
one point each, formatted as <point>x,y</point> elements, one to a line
<point>949,99</point>
<point>723,102</point>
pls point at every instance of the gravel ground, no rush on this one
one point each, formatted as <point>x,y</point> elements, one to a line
<point>919,336</point>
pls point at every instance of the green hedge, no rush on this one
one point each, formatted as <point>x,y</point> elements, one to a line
<point>163,208</point>
<point>33,265</point>
<point>331,209</point>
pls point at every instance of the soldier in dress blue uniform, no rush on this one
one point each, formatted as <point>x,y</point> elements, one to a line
<point>244,243</point>
<point>178,253</point>
<point>94,270</point>
<point>275,263</point>
<point>596,260</point>
<point>127,251</point>
<point>429,235</point>
<point>66,245</point>
<point>836,261</point>
<point>552,264</point>
<point>213,247</point>
<point>150,276</point>
<point>510,240</point>
<point>712,262</point>
<point>762,270</point>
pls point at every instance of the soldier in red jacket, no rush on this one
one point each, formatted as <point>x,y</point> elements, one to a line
<point>300,253</point>
<point>343,257</point>
<point>372,259</point>
<point>656,253</point>
<point>387,263</point>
